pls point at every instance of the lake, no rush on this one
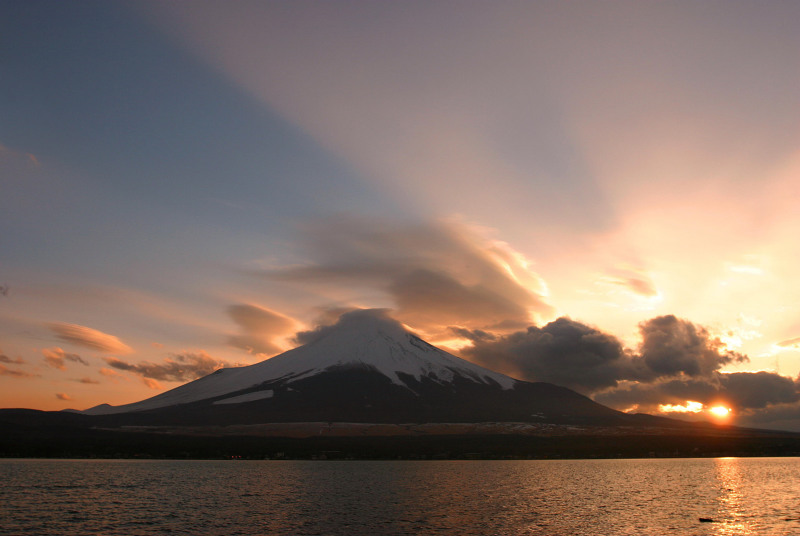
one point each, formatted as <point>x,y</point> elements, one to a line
<point>543,497</point>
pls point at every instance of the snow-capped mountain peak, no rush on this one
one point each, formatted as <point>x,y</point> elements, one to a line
<point>360,339</point>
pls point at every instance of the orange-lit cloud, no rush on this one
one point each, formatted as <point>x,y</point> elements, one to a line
<point>790,343</point>
<point>151,383</point>
<point>89,338</point>
<point>180,367</point>
<point>5,371</point>
<point>636,283</point>
<point>689,407</point>
<point>11,361</point>
<point>63,396</point>
<point>87,380</point>
<point>261,329</point>
<point>57,358</point>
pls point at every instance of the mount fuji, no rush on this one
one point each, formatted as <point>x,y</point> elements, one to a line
<point>366,368</point>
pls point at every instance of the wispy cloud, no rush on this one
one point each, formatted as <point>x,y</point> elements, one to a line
<point>179,367</point>
<point>261,329</point>
<point>7,153</point>
<point>11,360</point>
<point>636,282</point>
<point>5,371</point>
<point>87,380</point>
<point>63,396</point>
<point>57,358</point>
<point>151,383</point>
<point>437,274</point>
<point>790,343</point>
<point>89,338</point>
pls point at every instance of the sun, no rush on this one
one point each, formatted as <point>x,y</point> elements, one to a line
<point>720,411</point>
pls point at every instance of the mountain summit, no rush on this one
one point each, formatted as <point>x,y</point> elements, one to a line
<point>365,368</point>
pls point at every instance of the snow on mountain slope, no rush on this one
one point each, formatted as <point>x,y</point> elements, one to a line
<point>360,338</point>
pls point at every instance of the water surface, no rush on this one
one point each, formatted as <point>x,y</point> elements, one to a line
<point>576,497</point>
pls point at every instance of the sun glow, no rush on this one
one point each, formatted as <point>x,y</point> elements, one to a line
<point>690,407</point>
<point>720,411</point>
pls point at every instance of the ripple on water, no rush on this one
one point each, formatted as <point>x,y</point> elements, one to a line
<point>589,497</point>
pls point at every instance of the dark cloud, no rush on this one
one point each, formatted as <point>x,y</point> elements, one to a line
<point>259,328</point>
<point>57,358</point>
<point>474,335</point>
<point>181,367</point>
<point>89,338</point>
<point>777,417</point>
<point>437,275</point>
<point>569,353</point>
<point>741,391</point>
<point>564,352</point>
<point>756,390</point>
<point>671,346</point>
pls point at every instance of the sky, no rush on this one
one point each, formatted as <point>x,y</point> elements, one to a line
<point>597,194</point>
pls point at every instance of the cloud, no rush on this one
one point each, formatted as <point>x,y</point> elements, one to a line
<point>572,354</point>
<point>260,328</point>
<point>757,390</point>
<point>564,352</point>
<point>11,360</point>
<point>87,380</point>
<point>180,367</point>
<point>57,357</point>
<point>638,284</point>
<point>474,335</point>
<point>790,343</point>
<point>63,396</point>
<point>437,274</point>
<point>13,155</point>
<point>353,317</point>
<point>778,417</point>
<point>745,392</point>
<point>151,384</point>
<point>5,371</point>
<point>89,338</point>
<point>428,297</point>
<point>672,346</point>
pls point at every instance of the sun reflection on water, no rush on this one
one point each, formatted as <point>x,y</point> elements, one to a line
<point>731,519</point>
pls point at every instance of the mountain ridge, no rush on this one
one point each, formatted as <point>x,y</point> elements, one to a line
<point>363,338</point>
<point>365,368</point>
